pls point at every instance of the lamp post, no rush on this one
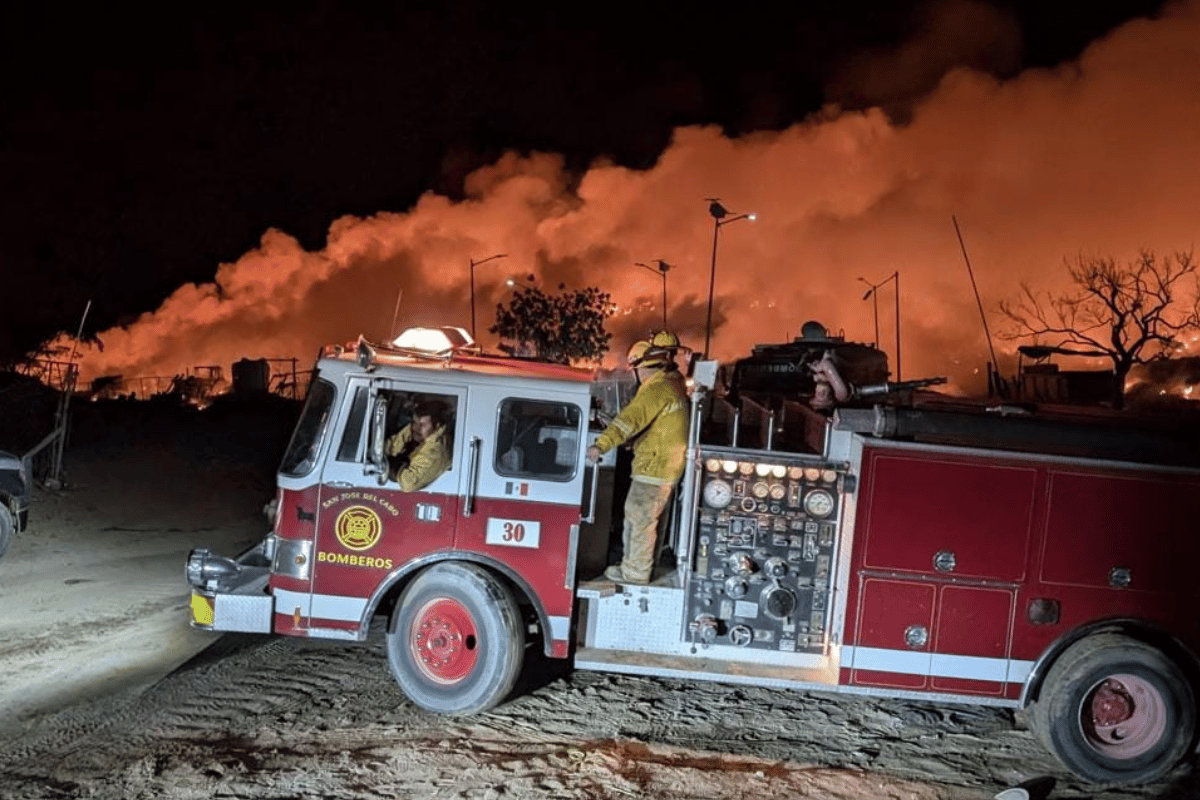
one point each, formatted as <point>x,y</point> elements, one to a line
<point>475,264</point>
<point>661,270</point>
<point>873,295</point>
<point>721,216</point>
<point>518,282</point>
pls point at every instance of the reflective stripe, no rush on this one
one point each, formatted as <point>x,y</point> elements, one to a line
<point>351,609</point>
<point>911,662</point>
<point>560,627</point>
<point>324,606</point>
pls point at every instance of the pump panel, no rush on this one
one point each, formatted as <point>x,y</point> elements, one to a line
<point>763,559</point>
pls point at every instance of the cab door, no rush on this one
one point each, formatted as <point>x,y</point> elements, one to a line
<point>367,527</point>
<point>524,504</point>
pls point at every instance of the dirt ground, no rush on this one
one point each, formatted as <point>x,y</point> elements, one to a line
<point>107,693</point>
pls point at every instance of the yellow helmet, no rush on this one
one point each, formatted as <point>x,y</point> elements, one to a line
<point>641,354</point>
<point>664,339</point>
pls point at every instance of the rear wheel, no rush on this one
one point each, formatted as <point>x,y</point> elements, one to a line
<point>456,639</point>
<point>1116,710</point>
<point>7,527</point>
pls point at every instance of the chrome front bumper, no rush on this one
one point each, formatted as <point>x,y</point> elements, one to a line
<point>232,595</point>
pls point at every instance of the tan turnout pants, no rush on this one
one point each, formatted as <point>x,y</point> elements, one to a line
<point>643,507</point>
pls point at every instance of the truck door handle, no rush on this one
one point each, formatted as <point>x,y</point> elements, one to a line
<point>339,484</point>
<point>472,476</point>
<point>591,515</point>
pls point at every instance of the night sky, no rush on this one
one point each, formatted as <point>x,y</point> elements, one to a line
<point>139,151</point>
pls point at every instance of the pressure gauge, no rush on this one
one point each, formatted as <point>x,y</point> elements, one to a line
<point>745,468</point>
<point>717,493</point>
<point>778,491</point>
<point>778,471</point>
<point>812,474</point>
<point>712,464</point>
<point>795,473</point>
<point>829,476</point>
<point>818,503</point>
<point>760,489</point>
<point>729,466</point>
<point>763,470</point>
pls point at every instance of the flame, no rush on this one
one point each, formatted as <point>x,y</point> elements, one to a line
<point>1094,156</point>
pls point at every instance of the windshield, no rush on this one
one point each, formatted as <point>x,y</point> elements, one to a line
<point>301,454</point>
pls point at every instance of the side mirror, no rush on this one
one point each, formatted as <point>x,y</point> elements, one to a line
<point>376,459</point>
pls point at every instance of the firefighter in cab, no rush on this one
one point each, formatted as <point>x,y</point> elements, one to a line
<point>419,449</point>
<point>656,423</point>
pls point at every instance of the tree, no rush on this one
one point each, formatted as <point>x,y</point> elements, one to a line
<point>1129,313</point>
<point>563,328</point>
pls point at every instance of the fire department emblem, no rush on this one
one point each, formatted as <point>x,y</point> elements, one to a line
<point>358,528</point>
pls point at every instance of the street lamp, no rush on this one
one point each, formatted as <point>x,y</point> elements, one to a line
<point>475,264</point>
<point>721,216</point>
<point>873,295</point>
<point>518,282</point>
<point>661,269</point>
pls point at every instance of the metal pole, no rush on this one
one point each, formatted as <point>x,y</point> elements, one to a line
<point>896,275</point>
<point>875,303</point>
<point>664,279</point>
<point>395,315</point>
<point>64,411</point>
<point>472,262</point>
<point>975,287</point>
<point>475,264</point>
<point>712,280</point>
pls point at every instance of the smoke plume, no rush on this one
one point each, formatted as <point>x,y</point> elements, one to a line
<point>1095,156</point>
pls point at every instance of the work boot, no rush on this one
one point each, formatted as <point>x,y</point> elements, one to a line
<point>615,573</point>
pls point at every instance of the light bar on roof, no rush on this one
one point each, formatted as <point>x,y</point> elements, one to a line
<point>434,341</point>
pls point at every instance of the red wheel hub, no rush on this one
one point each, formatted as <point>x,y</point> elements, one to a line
<point>444,641</point>
<point>1111,705</point>
<point>1124,716</point>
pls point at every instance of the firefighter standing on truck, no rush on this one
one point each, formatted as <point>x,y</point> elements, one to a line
<point>656,421</point>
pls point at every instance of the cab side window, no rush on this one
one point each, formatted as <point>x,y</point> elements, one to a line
<point>419,439</point>
<point>348,449</point>
<point>537,439</point>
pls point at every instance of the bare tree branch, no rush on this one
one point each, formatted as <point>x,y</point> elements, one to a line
<point>1129,313</point>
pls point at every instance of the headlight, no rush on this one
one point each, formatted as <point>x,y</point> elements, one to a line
<point>205,570</point>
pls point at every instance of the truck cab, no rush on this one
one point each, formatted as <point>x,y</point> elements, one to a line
<point>502,522</point>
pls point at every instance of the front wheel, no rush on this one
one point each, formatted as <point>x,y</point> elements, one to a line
<point>456,640</point>
<point>1116,710</point>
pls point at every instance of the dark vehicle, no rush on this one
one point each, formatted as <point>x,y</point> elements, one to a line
<point>14,498</point>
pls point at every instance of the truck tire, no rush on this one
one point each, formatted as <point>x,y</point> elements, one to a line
<point>1115,710</point>
<point>7,528</point>
<point>456,639</point>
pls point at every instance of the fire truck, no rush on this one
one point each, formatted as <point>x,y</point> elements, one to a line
<point>901,546</point>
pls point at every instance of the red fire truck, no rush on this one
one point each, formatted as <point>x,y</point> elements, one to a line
<point>918,550</point>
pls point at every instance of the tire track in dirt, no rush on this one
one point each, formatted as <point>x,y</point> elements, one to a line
<point>264,718</point>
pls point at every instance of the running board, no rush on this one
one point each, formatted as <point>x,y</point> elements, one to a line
<point>663,665</point>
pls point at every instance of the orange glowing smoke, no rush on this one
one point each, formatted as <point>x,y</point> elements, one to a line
<point>1097,156</point>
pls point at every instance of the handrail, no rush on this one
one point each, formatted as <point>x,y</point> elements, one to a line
<point>591,515</point>
<point>472,476</point>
